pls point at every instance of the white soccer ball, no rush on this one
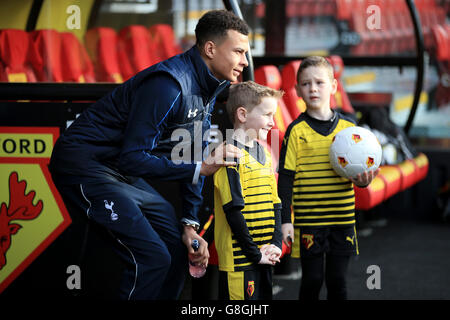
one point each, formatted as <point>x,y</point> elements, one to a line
<point>355,150</point>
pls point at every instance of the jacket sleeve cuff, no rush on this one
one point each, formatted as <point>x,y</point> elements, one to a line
<point>189,221</point>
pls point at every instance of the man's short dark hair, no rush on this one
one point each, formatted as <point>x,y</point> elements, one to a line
<point>214,25</point>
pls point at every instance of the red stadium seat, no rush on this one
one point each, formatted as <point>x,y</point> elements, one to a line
<point>395,178</point>
<point>293,102</point>
<point>422,164</point>
<point>409,174</point>
<point>136,50</point>
<point>441,42</point>
<point>101,44</point>
<point>77,66</point>
<point>391,175</point>
<point>48,44</point>
<point>447,28</point>
<point>165,42</point>
<point>289,74</point>
<point>404,175</point>
<point>430,16</point>
<point>369,197</point>
<point>343,10</point>
<point>270,76</point>
<point>17,56</point>
<point>440,49</point>
<point>423,10</point>
<point>340,97</point>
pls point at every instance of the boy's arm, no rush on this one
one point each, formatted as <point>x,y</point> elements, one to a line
<point>286,172</point>
<point>277,206</point>
<point>277,235</point>
<point>227,182</point>
<point>285,183</point>
<point>286,175</point>
<point>240,230</point>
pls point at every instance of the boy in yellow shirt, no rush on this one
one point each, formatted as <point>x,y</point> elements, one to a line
<point>323,202</point>
<point>247,208</point>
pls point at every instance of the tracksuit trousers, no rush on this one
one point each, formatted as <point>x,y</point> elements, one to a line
<point>146,227</point>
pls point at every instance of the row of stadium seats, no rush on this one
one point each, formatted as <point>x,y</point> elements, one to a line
<point>384,26</point>
<point>395,33</point>
<point>135,47</point>
<point>391,179</point>
<point>105,55</point>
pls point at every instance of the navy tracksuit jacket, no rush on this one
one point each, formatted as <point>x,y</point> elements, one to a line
<point>103,158</point>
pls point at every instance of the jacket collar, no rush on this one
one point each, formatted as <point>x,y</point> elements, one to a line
<point>208,82</point>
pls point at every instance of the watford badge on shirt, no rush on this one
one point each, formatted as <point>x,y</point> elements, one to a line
<point>307,240</point>
<point>250,288</point>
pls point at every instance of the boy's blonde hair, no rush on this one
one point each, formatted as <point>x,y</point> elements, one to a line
<point>248,94</point>
<point>315,61</point>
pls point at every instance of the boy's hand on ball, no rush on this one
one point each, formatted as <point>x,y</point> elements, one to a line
<point>362,180</point>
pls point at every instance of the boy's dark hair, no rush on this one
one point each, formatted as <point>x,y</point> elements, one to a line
<point>315,61</point>
<point>214,25</point>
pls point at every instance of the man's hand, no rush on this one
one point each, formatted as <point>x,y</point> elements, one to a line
<point>220,157</point>
<point>201,256</point>
<point>364,179</point>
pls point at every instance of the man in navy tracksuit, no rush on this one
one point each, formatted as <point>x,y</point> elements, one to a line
<point>102,161</point>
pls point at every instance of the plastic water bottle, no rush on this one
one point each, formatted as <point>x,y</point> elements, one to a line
<point>196,270</point>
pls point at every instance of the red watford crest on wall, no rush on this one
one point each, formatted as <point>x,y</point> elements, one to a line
<point>32,213</point>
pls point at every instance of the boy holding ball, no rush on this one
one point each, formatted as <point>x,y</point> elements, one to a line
<point>323,202</point>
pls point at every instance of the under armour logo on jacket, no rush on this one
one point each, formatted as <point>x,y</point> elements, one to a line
<point>192,114</point>
<point>109,206</point>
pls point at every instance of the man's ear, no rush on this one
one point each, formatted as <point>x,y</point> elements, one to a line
<point>209,49</point>
<point>241,114</point>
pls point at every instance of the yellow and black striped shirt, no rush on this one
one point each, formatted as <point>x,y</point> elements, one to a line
<point>250,187</point>
<point>319,196</point>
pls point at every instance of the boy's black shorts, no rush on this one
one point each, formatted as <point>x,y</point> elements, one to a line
<point>333,240</point>
<point>255,284</point>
